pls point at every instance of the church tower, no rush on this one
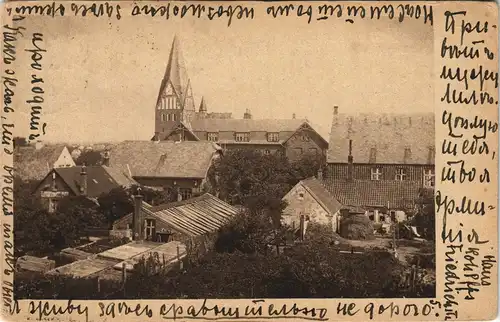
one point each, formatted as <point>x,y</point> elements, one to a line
<point>203,109</point>
<point>175,98</point>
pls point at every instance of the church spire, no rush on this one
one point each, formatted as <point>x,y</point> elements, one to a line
<point>203,105</point>
<point>175,73</point>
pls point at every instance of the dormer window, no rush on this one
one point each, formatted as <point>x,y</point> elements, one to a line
<point>273,137</point>
<point>213,136</point>
<point>376,174</point>
<point>400,175</point>
<point>242,137</point>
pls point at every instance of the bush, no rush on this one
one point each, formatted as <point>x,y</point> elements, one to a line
<point>356,227</point>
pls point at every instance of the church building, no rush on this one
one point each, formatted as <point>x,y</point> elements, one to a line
<point>177,119</point>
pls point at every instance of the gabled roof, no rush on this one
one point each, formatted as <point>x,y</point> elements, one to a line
<point>175,73</point>
<point>100,179</point>
<point>374,193</point>
<point>33,164</point>
<point>383,138</point>
<point>322,195</point>
<point>192,217</point>
<point>165,159</point>
<point>181,126</point>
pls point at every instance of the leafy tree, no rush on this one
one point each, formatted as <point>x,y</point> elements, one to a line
<point>89,158</point>
<point>425,214</point>
<point>115,204</point>
<point>308,166</point>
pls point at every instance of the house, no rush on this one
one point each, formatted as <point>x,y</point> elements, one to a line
<point>311,199</point>
<point>180,221</point>
<point>383,147</point>
<point>33,162</point>
<point>380,162</point>
<point>180,166</point>
<point>176,119</point>
<point>91,182</point>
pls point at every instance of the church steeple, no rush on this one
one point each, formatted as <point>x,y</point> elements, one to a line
<point>174,97</point>
<point>203,108</point>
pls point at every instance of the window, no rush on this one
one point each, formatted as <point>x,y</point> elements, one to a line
<point>213,136</point>
<point>313,151</point>
<point>174,117</point>
<point>242,137</point>
<point>273,137</point>
<point>150,229</point>
<point>186,193</point>
<point>376,174</point>
<point>163,117</point>
<point>267,152</point>
<point>429,178</point>
<point>52,205</point>
<point>400,175</point>
<point>305,138</point>
<point>297,151</point>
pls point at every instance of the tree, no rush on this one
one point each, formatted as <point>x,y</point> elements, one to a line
<point>425,214</point>
<point>89,158</point>
<point>115,204</point>
<point>308,166</point>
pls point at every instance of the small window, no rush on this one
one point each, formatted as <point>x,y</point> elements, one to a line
<point>400,175</point>
<point>305,138</point>
<point>163,117</point>
<point>150,229</point>
<point>213,136</point>
<point>242,137</point>
<point>174,117</point>
<point>267,152</point>
<point>313,151</point>
<point>186,193</point>
<point>273,137</point>
<point>376,174</point>
<point>298,151</point>
<point>429,178</point>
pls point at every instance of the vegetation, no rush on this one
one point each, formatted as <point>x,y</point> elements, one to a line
<point>89,158</point>
<point>356,227</point>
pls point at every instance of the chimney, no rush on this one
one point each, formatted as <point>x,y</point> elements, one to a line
<point>320,174</point>
<point>293,116</point>
<point>247,115</point>
<point>105,158</point>
<point>137,220</point>
<point>349,162</point>
<point>83,182</point>
<point>335,110</point>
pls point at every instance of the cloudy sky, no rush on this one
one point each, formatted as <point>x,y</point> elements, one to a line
<point>102,76</point>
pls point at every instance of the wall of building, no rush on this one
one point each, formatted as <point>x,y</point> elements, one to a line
<point>194,184</point>
<point>64,160</point>
<point>302,143</point>
<point>363,171</point>
<point>301,202</point>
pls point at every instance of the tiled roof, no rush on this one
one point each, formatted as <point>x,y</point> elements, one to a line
<point>383,138</point>
<point>322,195</point>
<point>246,125</point>
<point>32,163</point>
<point>192,217</point>
<point>374,193</point>
<point>100,179</point>
<point>121,178</point>
<point>165,159</point>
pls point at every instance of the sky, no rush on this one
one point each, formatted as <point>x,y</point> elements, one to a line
<point>102,76</point>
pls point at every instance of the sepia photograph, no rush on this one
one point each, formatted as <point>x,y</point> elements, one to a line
<point>182,159</point>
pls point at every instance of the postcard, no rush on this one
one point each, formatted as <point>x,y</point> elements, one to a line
<point>324,161</point>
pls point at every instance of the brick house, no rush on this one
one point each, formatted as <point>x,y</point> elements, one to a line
<point>181,166</point>
<point>90,182</point>
<point>381,161</point>
<point>311,199</point>
<point>176,119</point>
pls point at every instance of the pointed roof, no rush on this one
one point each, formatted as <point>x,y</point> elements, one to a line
<point>188,102</point>
<point>203,105</point>
<point>176,73</point>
